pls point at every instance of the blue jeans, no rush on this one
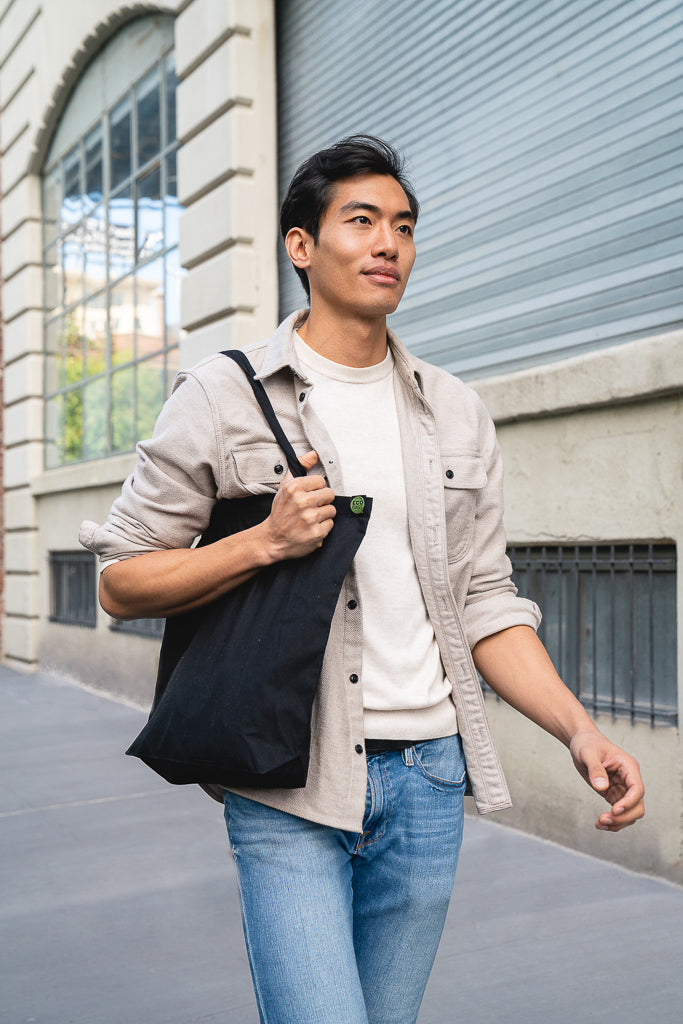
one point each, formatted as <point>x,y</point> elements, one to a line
<point>342,927</point>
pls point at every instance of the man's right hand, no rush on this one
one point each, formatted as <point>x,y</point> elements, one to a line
<point>301,517</point>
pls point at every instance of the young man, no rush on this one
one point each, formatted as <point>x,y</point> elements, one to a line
<point>345,883</point>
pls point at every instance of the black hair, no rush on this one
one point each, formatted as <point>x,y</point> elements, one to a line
<point>309,192</point>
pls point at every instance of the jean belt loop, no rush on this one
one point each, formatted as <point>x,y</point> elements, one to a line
<point>407,755</point>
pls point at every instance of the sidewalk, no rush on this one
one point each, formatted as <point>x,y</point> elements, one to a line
<point>119,901</point>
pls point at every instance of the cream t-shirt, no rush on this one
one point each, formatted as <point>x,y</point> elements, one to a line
<point>406,694</point>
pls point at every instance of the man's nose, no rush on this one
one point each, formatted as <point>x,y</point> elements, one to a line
<point>384,242</point>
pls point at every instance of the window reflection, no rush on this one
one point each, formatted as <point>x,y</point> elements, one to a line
<point>95,418</point>
<point>174,275</point>
<point>95,250</point>
<point>71,443</point>
<point>147,96</point>
<point>73,267</point>
<point>72,206</point>
<point>151,392</point>
<point>121,233</point>
<point>123,409</point>
<point>172,209</point>
<point>150,308</point>
<point>95,335</point>
<point>122,320</point>
<point>170,85</point>
<point>120,142</point>
<point>94,168</point>
<point>150,216</point>
<point>112,275</point>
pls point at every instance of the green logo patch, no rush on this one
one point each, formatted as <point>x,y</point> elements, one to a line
<point>357,504</point>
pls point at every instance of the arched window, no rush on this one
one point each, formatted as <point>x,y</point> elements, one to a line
<point>110,256</point>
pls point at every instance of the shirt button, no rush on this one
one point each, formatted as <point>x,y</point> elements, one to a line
<point>359,749</point>
<point>353,678</point>
<point>449,474</point>
<point>302,396</point>
<point>352,604</point>
<point>279,469</point>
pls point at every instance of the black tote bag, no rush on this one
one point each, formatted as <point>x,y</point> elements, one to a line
<point>238,676</point>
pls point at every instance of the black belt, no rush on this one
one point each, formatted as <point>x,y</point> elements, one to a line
<point>384,746</point>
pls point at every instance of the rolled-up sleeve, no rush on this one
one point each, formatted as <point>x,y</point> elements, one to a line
<point>167,500</point>
<point>492,603</point>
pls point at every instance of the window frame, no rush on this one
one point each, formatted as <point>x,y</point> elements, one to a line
<point>95,439</point>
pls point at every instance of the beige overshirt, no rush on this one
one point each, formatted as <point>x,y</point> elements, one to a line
<point>211,442</point>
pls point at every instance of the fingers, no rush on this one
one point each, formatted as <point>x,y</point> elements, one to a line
<point>615,775</point>
<point>302,514</point>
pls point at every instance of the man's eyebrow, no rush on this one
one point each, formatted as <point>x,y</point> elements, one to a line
<point>356,204</point>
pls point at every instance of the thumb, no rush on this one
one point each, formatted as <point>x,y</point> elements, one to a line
<point>308,460</point>
<point>598,776</point>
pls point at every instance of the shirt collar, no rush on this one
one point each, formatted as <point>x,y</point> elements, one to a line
<point>280,353</point>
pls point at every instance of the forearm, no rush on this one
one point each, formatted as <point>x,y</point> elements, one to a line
<point>516,665</point>
<point>164,583</point>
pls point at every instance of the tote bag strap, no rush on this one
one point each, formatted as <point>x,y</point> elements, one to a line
<point>262,398</point>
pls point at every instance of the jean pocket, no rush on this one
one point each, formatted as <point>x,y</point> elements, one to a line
<point>442,761</point>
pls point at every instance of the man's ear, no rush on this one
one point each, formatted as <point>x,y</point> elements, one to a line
<point>297,244</point>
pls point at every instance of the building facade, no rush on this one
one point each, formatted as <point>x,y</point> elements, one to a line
<point>143,150</point>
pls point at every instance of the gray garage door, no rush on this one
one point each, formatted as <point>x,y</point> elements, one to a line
<point>545,140</point>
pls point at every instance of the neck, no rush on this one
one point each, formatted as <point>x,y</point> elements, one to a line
<point>348,340</point>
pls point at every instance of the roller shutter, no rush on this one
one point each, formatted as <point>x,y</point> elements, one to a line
<point>545,140</point>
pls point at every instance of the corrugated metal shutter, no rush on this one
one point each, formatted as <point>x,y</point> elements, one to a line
<point>545,140</point>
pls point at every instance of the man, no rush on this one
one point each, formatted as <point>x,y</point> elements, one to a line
<point>345,883</point>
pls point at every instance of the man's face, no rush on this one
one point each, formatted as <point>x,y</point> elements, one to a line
<point>365,251</point>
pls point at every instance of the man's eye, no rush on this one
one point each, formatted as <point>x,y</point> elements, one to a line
<point>406,229</point>
<point>361,218</point>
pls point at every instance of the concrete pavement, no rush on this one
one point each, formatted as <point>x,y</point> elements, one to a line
<point>119,900</point>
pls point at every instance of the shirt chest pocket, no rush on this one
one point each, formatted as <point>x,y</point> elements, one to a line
<point>259,468</point>
<point>463,477</point>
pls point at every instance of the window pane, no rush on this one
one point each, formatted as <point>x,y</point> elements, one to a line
<point>148,99</point>
<point>149,313</point>
<point>94,167</point>
<point>73,426</point>
<point>122,320</point>
<point>95,418</point>
<point>151,392</point>
<point>174,275</point>
<point>120,142</point>
<point>73,345</point>
<point>172,210</point>
<point>95,335</point>
<point>170,85</point>
<point>150,215</point>
<point>123,410</point>
<point>72,202</point>
<point>121,233</point>
<point>73,267</point>
<point>53,355</point>
<point>52,198</point>
<point>95,251</point>
<point>172,367</point>
<point>53,278</point>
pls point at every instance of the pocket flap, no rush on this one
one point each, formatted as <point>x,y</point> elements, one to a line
<point>260,464</point>
<point>463,471</point>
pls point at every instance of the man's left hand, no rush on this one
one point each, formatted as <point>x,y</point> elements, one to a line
<point>613,774</point>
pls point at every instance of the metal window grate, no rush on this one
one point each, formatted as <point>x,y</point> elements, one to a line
<point>609,623</point>
<point>73,588</point>
<point>139,627</point>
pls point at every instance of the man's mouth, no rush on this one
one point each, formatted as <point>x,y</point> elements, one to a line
<point>384,273</point>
